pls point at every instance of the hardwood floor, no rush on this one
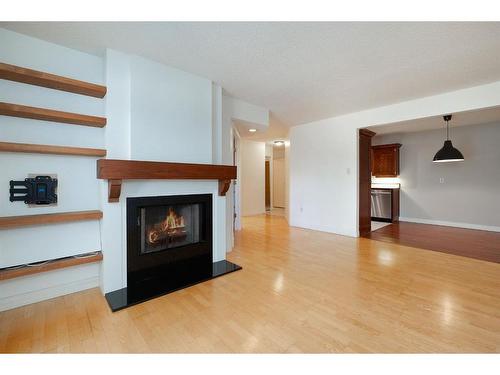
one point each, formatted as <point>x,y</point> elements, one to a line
<point>477,244</point>
<point>299,291</point>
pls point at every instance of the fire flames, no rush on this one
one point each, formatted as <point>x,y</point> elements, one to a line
<point>171,228</point>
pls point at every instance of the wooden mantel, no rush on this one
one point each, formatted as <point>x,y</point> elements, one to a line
<point>117,170</point>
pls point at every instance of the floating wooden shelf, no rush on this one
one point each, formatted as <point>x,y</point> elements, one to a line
<point>117,170</point>
<point>23,111</point>
<point>6,274</point>
<point>49,149</point>
<point>42,219</point>
<point>51,81</point>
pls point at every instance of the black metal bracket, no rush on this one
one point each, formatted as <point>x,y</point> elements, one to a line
<point>38,190</point>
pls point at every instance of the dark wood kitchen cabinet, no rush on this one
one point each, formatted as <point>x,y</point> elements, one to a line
<point>385,160</point>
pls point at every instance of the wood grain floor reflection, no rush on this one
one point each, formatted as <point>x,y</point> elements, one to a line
<point>299,291</point>
<point>472,243</point>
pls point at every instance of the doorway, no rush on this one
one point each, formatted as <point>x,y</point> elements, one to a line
<point>268,185</point>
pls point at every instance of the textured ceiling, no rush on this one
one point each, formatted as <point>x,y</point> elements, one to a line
<point>303,71</point>
<point>477,117</point>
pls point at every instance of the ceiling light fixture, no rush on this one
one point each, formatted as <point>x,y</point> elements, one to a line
<point>448,153</point>
<point>279,143</point>
<point>252,130</point>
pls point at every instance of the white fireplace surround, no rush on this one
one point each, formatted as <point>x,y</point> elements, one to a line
<point>114,223</point>
<point>155,113</point>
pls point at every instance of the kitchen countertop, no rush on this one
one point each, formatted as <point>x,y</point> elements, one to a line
<point>385,186</point>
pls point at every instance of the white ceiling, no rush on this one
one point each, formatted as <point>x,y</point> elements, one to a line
<point>477,117</point>
<point>303,71</point>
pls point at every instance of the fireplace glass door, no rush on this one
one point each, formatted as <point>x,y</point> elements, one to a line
<point>169,226</point>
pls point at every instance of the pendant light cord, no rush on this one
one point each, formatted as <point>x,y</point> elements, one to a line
<point>447,131</point>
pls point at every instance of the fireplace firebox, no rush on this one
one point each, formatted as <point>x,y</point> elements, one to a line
<point>168,234</point>
<point>169,247</point>
<point>169,226</point>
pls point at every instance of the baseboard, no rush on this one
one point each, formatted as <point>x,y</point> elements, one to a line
<point>326,229</point>
<point>489,228</point>
<point>18,300</point>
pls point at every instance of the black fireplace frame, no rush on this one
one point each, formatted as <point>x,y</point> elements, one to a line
<point>198,255</point>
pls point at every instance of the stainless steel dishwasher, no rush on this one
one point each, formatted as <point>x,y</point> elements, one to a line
<point>381,205</point>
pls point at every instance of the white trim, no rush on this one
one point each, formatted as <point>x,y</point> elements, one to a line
<point>325,228</point>
<point>18,300</point>
<point>489,228</point>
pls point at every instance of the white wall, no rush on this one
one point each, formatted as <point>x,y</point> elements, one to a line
<point>78,188</point>
<point>324,156</point>
<point>170,115</point>
<point>468,196</point>
<point>323,178</point>
<point>235,208</point>
<point>287,180</point>
<point>252,177</point>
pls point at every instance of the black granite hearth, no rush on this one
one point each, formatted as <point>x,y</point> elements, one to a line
<point>148,289</point>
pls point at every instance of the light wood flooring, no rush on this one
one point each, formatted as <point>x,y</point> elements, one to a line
<point>299,291</point>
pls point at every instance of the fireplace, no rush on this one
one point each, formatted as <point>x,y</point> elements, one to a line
<point>169,247</point>
<point>168,234</point>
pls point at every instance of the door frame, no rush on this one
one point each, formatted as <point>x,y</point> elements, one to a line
<point>364,187</point>
<point>267,184</point>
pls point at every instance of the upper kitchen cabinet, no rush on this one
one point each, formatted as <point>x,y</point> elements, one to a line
<point>385,160</point>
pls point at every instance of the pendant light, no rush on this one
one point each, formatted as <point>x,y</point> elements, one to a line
<point>448,153</point>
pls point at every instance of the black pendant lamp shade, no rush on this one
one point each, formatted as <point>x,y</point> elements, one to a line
<point>448,153</point>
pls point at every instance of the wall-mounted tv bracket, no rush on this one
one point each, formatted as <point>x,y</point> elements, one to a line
<point>37,190</point>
